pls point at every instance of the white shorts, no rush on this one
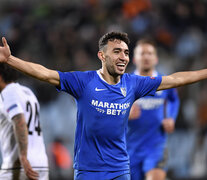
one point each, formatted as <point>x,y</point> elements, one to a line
<point>20,175</point>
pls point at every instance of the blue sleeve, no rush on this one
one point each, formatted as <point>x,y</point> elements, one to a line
<point>146,85</point>
<point>173,103</point>
<point>73,82</point>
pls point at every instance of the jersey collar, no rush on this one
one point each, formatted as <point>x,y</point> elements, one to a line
<point>101,77</point>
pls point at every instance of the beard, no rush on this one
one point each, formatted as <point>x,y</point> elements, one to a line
<point>111,68</point>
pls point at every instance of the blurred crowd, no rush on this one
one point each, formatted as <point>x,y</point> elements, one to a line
<point>64,34</point>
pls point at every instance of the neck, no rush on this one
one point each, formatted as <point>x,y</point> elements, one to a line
<point>108,77</point>
<point>2,86</point>
<point>143,72</point>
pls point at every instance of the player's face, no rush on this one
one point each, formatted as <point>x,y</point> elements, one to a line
<point>116,57</point>
<point>145,57</point>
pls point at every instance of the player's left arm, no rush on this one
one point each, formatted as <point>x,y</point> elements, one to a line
<point>182,78</point>
<point>172,109</point>
<point>21,135</point>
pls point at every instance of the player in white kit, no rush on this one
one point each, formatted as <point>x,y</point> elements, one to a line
<point>22,146</point>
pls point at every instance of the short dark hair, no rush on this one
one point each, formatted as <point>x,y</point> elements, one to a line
<point>146,41</point>
<point>111,36</point>
<point>7,73</point>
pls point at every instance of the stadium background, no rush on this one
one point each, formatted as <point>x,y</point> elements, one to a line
<point>63,35</point>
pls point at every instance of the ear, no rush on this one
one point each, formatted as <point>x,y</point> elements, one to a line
<point>101,55</point>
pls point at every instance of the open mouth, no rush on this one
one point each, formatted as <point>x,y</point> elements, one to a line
<point>121,66</point>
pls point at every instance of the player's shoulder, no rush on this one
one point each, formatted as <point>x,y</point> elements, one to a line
<point>15,90</point>
<point>128,75</point>
<point>86,73</point>
<point>131,79</point>
<point>134,79</point>
<point>26,90</point>
<point>85,76</point>
<point>132,76</point>
<point>19,88</point>
<point>79,74</point>
<point>11,88</point>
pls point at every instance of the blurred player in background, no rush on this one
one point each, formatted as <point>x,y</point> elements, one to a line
<point>151,117</point>
<point>104,98</point>
<point>22,146</point>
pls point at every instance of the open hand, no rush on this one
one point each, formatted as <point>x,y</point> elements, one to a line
<point>168,125</point>
<point>4,51</point>
<point>30,173</point>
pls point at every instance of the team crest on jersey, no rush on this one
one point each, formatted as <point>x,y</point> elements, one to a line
<point>123,91</point>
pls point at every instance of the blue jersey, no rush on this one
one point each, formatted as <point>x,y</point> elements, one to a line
<point>103,109</point>
<point>146,132</point>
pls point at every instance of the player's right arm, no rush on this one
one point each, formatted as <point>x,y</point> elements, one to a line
<point>21,135</point>
<point>35,70</point>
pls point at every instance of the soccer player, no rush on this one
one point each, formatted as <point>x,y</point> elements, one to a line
<point>104,98</point>
<point>151,117</point>
<point>22,146</point>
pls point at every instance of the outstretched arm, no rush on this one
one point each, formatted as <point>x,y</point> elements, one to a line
<point>35,70</point>
<point>182,78</point>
